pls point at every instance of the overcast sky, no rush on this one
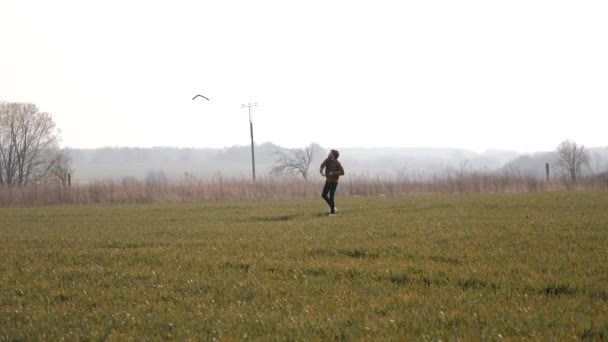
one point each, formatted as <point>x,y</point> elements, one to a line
<point>515,75</point>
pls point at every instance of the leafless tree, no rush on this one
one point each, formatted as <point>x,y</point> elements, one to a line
<point>62,168</point>
<point>571,158</point>
<point>295,162</point>
<point>29,143</point>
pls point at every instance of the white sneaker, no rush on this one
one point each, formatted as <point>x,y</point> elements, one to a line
<point>330,215</point>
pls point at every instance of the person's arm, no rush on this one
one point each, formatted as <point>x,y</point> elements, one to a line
<point>322,167</point>
<point>340,170</point>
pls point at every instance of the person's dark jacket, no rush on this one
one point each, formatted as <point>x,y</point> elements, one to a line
<point>333,170</point>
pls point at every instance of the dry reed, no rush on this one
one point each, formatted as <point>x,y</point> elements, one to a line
<point>220,189</point>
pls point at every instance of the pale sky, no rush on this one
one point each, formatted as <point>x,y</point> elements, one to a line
<point>515,75</point>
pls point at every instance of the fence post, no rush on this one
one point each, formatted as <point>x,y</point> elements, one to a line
<point>69,180</point>
<point>547,171</point>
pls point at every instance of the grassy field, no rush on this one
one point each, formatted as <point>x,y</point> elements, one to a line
<point>470,267</point>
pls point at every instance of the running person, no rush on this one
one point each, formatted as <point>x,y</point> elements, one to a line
<point>331,169</point>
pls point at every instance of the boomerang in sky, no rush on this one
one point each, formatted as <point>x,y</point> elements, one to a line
<point>200,96</point>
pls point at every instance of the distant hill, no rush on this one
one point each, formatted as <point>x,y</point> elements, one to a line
<point>235,161</point>
<point>139,163</point>
<point>422,162</point>
<point>534,164</point>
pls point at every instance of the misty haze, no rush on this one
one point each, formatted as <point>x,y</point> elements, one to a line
<point>235,162</point>
<point>269,170</point>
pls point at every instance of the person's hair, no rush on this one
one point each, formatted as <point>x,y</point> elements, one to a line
<point>335,153</point>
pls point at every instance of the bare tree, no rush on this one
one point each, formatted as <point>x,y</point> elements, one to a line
<point>28,143</point>
<point>296,162</point>
<point>62,169</point>
<point>571,158</point>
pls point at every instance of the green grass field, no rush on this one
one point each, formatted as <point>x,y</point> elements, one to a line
<point>471,267</point>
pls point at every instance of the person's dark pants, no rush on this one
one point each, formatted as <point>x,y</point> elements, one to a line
<point>329,191</point>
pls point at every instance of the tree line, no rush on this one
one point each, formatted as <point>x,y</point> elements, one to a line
<point>30,152</point>
<point>571,159</point>
<point>29,147</point>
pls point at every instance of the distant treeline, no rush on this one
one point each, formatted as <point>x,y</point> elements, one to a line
<point>207,164</point>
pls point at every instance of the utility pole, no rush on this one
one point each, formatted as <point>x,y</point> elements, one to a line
<point>249,105</point>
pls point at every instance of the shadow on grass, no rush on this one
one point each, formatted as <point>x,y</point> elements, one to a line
<point>559,290</point>
<point>280,218</point>
<point>359,253</point>
<point>595,334</point>
<point>399,279</point>
<point>236,266</point>
<point>475,282</point>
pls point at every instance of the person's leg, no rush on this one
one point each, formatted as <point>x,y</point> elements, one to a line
<point>332,194</point>
<point>325,193</point>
